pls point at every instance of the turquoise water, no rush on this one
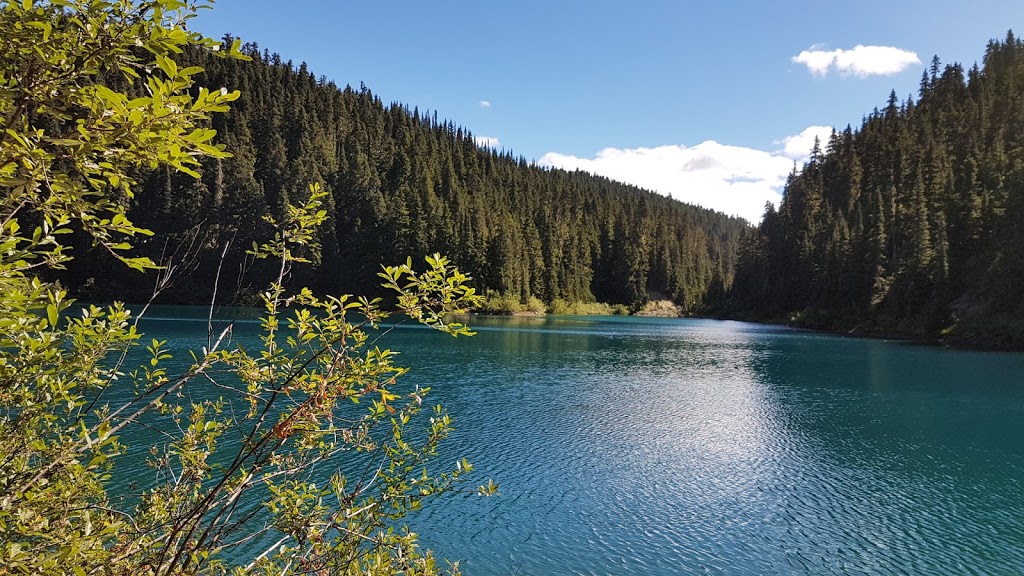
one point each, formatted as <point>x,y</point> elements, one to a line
<point>664,446</point>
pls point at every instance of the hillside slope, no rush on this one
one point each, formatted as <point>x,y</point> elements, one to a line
<point>912,223</point>
<point>404,183</point>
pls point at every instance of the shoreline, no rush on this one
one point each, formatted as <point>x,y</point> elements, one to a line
<point>975,344</point>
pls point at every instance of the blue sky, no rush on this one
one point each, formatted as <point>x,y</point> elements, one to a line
<point>703,101</point>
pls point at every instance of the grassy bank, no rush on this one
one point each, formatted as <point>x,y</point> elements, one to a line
<point>506,304</point>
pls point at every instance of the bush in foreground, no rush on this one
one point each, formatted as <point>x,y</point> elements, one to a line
<point>248,475</point>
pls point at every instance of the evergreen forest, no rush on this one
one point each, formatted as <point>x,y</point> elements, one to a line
<point>911,224</point>
<point>400,184</point>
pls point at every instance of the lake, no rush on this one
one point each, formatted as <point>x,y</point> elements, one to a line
<point>650,446</point>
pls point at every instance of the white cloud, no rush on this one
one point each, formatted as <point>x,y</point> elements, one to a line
<point>487,141</point>
<point>798,146</point>
<point>730,179</point>
<point>861,61</point>
<point>485,104</point>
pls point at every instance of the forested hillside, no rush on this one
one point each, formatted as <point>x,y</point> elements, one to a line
<point>914,222</point>
<point>403,183</point>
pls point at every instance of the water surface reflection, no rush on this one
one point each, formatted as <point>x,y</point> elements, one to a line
<point>647,446</point>
<point>658,446</point>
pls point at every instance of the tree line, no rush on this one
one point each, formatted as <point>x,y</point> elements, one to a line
<point>402,183</point>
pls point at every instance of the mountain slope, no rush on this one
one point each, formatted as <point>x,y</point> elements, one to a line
<point>912,223</point>
<point>403,184</point>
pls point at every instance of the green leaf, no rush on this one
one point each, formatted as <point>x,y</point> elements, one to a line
<point>169,67</point>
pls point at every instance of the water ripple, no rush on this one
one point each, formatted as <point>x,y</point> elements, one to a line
<point>653,446</point>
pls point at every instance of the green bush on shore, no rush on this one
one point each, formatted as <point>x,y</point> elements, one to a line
<point>507,304</point>
<point>577,308</point>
